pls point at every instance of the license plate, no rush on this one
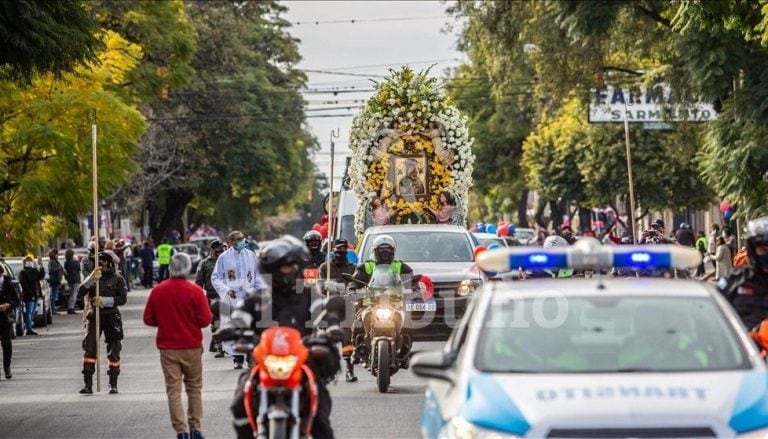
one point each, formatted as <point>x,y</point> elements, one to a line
<point>421,306</point>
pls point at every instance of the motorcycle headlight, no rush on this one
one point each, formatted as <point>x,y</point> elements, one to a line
<point>466,287</point>
<point>280,368</point>
<point>459,428</point>
<point>383,314</point>
<point>756,434</point>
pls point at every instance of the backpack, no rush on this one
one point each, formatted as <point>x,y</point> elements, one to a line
<point>741,259</point>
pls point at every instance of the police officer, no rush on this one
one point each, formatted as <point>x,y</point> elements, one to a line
<point>164,253</point>
<point>203,279</point>
<point>340,265</point>
<point>314,242</point>
<point>384,253</point>
<point>288,303</point>
<point>747,289</point>
<point>112,293</point>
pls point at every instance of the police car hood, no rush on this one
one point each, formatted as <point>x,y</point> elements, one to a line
<point>535,405</point>
<point>445,271</point>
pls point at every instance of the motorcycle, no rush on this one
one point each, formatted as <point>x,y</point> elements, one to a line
<point>280,392</point>
<point>382,346</point>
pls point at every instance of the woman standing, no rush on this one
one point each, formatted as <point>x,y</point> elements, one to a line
<point>9,300</point>
<point>723,259</point>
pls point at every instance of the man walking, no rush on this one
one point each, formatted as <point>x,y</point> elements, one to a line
<point>147,255</point>
<point>179,309</point>
<point>235,275</point>
<point>29,279</point>
<point>203,280</point>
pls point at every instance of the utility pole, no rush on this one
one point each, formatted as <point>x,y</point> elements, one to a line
<point>331,219</point>
<point>632,207</point>
<point>96,224</point>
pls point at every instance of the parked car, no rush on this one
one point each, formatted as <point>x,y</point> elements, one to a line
<point>445,254</point>
<point>203,243</point>
<point>44,312</point>
<point>487,239</point>
<point>193,251</point>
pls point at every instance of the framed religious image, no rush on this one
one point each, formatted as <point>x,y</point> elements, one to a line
<point>408,175</point>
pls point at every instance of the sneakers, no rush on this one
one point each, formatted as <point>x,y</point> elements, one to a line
<point>219,354</point>
<point>238,366</point>
<point>71,311</point>
<point>113,390</point>
<point>8,375</point>
<point>31,332</point>
<point>182,435</point>
<point>196,434</point>
<point>351,378</point>
<point>86,390</point>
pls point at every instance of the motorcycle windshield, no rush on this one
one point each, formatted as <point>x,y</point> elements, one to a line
<point>384,281</point>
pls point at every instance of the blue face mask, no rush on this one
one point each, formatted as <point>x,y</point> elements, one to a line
<point>239,245</point>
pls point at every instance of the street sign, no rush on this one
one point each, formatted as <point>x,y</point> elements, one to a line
<point>656,104</point>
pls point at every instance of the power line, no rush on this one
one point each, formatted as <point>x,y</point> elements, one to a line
<point>370,66</point>
<point>368,20</point>
<point>328,72</point>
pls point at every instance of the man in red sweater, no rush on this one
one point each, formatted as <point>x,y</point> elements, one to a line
<point>179,310</point>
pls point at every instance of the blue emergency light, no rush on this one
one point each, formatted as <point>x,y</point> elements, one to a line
<point>589,254</point>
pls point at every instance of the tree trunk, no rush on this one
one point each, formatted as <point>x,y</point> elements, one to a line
<point>558,209</point>
<point>539,216</point>
<point>522,209</point>
<point>176,200</point>
<point>585,219</point>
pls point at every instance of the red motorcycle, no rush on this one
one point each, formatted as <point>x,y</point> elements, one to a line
<point>283,384</point>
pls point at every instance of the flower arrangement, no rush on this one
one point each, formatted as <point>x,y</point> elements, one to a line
<point>409,130</point>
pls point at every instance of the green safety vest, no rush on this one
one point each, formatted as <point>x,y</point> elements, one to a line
<point>702,243</point>
<point>164,254</point>
<point>395,266</point>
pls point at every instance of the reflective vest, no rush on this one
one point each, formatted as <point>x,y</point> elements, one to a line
<point>395,266</point>
<point>164,254</point>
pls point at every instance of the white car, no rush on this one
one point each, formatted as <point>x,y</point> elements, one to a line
<point>488,239</point>
<point>604,358</point>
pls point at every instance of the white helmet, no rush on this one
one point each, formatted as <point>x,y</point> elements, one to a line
<point>555,241</point>
<point>383,240</point>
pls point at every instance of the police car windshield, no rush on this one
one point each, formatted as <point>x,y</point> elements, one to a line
<point>608,334</point>
<point>427,247</point>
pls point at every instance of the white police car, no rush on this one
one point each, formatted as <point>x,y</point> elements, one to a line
<point>595,358</point>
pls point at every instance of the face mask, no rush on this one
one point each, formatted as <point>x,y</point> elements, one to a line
<point>341,256</point>
<point>29,265</point>
<point>385,256</point>
<point>239,245</point>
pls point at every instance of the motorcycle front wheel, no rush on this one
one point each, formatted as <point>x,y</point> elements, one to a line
<point>382,360</point>
<point>278,428</point>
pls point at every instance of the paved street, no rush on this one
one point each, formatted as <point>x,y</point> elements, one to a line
<point>41,401</point>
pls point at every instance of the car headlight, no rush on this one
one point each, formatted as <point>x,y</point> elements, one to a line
<point>280,368</point>
<point>383,314</point>
<point>756,434</point>
<point>466,287</point>
<point>459,428</point>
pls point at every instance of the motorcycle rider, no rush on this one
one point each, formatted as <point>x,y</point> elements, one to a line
<point>288,303</point>
<point>112,293</point>
<point>552,241</point>
<point>340,265</point>
<point>747,289</point>
<point>203,279</point>
<point>314,242</point>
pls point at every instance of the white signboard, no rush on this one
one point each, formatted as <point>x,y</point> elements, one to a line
<point>655,104</point>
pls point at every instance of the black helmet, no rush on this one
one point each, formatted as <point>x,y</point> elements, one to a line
<point>216,244</point>
<point>313,239</point>
<point>283,251</point>
<point>757,236</point>
<point>104,256</point>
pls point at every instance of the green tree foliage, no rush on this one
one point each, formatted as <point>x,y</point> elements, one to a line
<point>570,48</point>
<point>42,36</point>
<point>45,145</point>
<point>233,140</point>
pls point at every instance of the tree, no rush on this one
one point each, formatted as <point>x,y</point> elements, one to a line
<point>235,134</point>
<point>45,145</point>
<point>45,37</point>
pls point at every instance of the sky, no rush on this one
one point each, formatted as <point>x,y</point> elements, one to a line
<point>364,49</point>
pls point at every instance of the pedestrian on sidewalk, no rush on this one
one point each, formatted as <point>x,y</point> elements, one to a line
<point>55,276</point>
<point>724,258</point>
<point>147,255</point>
<point>713,235</point>
<point>9,300</point>
<point>29,279</point>
<point>701,247</point>
<point>72,273</point>
<point>179,309</point>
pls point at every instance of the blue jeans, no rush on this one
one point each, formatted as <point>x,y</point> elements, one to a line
<point>30,309</point>
<point>55,296</point>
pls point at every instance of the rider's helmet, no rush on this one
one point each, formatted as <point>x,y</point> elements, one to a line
<point>384,249</point>
<point>757,243</point>
<point>555,241</point>
<point>314,240</point>
<point>106,257</point>
<point>281,259</point>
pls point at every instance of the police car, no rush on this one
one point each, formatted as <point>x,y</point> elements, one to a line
<point>597,357</point>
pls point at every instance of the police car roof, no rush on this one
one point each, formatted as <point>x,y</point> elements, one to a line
<point>581,287</point>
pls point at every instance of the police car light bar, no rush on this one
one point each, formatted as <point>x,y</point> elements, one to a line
<point>590,256</point>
